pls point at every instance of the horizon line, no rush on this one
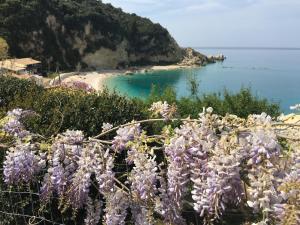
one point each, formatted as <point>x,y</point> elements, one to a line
<point>248,48</point>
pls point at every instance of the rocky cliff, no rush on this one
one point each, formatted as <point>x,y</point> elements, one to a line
<point>70,34</point>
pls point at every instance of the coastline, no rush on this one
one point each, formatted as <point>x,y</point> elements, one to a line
<point>97,79</point>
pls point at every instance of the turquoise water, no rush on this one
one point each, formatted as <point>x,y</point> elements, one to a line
<point>271,73</point>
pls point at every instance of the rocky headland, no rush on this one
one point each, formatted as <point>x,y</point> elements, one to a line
<point>77,34</point>
<point>191,58</point>
<point>88,35</point>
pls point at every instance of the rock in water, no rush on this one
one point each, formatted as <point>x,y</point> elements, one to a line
<point>192,58</point>
<point>219,57</point>
<point>69,34</point>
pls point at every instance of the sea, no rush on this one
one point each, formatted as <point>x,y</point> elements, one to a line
<point>272,73</point>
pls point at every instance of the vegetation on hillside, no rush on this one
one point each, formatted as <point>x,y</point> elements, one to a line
<point>61,33</point>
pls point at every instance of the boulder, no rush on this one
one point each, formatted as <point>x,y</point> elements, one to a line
<point>193,58</point>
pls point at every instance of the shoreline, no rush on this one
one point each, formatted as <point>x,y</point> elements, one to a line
<point>97,79</point>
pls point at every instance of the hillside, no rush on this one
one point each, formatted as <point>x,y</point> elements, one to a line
<point>69,34</point>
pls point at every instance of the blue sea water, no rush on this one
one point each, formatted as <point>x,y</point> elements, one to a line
<point>271,73</point>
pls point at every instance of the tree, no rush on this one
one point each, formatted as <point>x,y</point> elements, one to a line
<point>3,49</point>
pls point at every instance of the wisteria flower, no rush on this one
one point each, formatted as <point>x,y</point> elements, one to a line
<point>164,109</point>
<point>106,126</point>
<point>124,135</point>
<point>22,164</point>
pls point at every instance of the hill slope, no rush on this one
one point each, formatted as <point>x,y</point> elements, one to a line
<point>67,34</point>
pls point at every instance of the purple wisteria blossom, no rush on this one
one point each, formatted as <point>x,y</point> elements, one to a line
<point>164,109</point>
<point>22,163</point>
<point>264,146</point>
<point>104,172</point>
<point>72,137</point>
<point>124,135</point>
<point>219,186</point>
<point>143,179</point>
<point>263,154</point>
<point>117,203</point>
<point>141,215</point>
<point>93,211</point>
<point>14,126</point>
<point>188,146</point>
<point>80,184</point>
<point>66,152</point>
<point>209,166</point>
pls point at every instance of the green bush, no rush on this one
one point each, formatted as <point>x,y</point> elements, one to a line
<point>241,103</point>
<point>17,93</point>
<point>60,109</point>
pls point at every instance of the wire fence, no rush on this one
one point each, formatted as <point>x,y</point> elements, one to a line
<point>22,206</point>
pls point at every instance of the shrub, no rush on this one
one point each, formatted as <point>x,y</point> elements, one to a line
<point>241,103</point>
<point>59,109</point>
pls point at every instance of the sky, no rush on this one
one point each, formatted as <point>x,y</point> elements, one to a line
<point>223,23</point>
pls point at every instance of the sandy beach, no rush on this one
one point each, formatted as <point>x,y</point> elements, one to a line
<point>96,79</point>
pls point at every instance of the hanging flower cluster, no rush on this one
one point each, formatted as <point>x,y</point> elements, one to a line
<point>12,124</point>
<point>216,178</point>
<point>22,164</point>
<point>164,109</point>
<point>117,203</point>
<point>63,163</point>
<point>263,155</point>
<point>124,135</point>
<point>143,179</point>
<point>209,166</point>
<point>93,211</point>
